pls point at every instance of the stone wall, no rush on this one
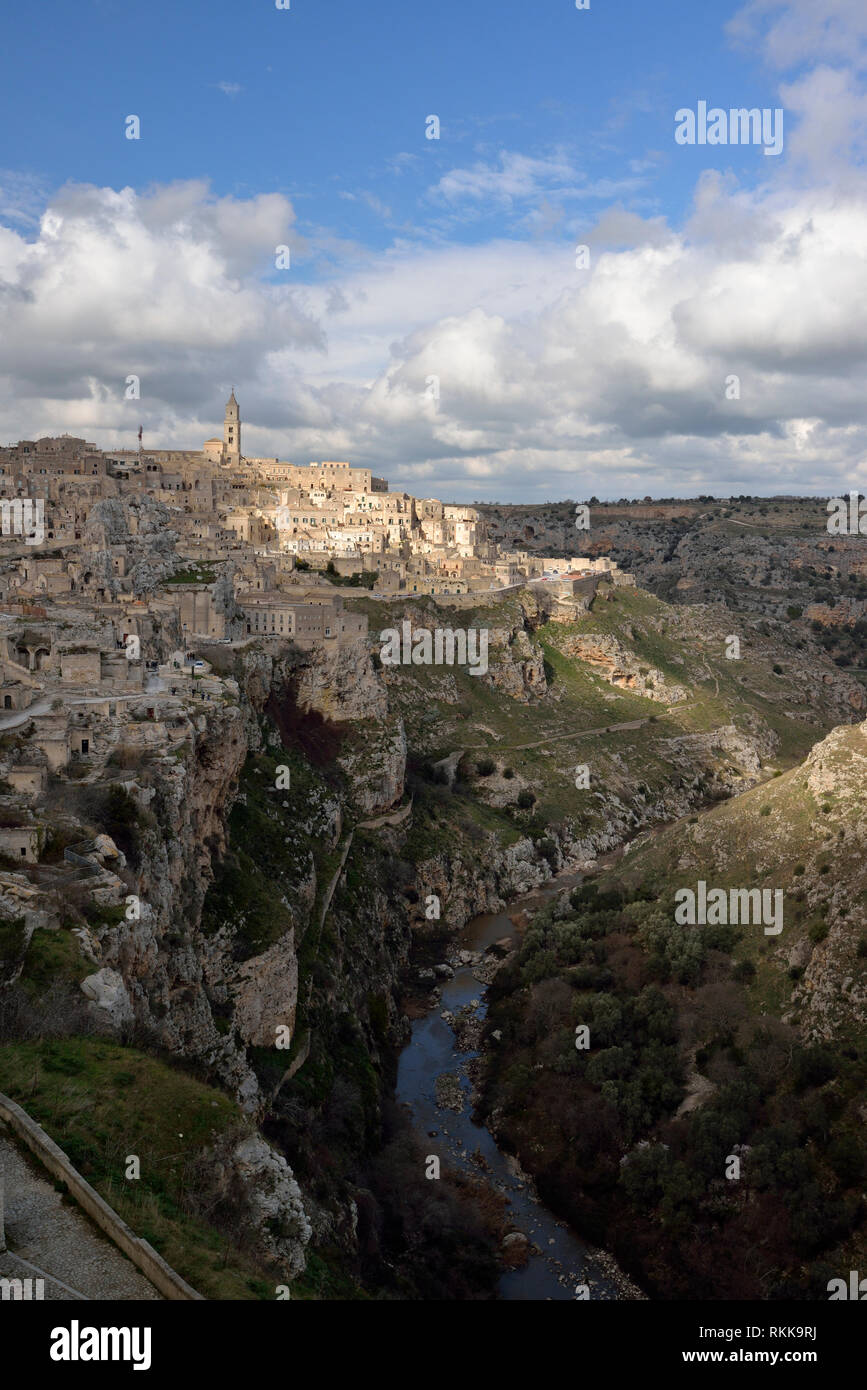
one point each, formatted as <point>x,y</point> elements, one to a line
<point>143,1255</point>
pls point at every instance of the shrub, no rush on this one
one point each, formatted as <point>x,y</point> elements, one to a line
<point>812,1066</point>
<point>847,1159</point>
<point>548,850</point>
<point>526,799</point>
<point>485,766</point>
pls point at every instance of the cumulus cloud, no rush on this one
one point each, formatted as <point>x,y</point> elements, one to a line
<point>551,379</point>
<point>157,285</point>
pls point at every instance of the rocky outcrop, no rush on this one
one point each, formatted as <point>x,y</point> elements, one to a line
<point>516,664</point>
<point>159,956</point>
<point>621,668</point>
<point>704,750</point>
<point>344,689</point>
<point>264,993</point>
<point>376,767</point>
<point>159,969</point>
<point>252,1176</point>
<point>467,885</point>
<point>108,999</point>
<point>341,684</point>
<point>832,995</point>
<point>141,526</point>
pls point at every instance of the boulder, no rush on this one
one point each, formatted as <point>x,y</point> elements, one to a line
<point>109,1001</point>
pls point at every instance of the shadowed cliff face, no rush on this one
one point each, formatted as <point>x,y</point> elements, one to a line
<point>271,911</point>
<point>318,740</point>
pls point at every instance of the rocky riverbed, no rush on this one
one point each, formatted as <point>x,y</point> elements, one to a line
<point>542,1259</point>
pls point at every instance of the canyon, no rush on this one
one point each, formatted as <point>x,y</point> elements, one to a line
<point>286,938</point>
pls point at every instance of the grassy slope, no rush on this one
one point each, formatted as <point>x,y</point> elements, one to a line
<point>101,1102</point>
<point>728,1002</point>
<point>446,708</point>
<point>803,834</point>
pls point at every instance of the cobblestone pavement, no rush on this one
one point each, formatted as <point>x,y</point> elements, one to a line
<point>51,1239</point>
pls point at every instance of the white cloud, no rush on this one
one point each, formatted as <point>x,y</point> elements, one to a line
<point>158,285</point>
<point>365,196</point>
<point>553,381</point>
<point>798,31</point>
<point>516,176</point>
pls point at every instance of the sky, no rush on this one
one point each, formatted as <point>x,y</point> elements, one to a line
<point>430,314</point>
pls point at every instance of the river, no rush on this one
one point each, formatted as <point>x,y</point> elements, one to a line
<point>559,1261</point>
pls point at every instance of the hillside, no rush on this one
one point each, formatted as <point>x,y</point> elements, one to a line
<point>286,915</point>
<point>707,1043</point>
<point>771,556</point>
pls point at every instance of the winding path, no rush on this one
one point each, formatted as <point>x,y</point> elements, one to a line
<point>558,738</point>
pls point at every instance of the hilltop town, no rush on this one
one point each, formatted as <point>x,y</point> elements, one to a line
<point>240,832</point>
<point>123,572</point>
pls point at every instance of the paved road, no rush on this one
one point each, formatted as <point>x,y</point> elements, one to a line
<point>51,1239</point>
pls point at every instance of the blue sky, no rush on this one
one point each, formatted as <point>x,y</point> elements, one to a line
<point>450,259</point>
<point>331,98</point>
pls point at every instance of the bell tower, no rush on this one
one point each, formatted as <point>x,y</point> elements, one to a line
<point>232,431</point>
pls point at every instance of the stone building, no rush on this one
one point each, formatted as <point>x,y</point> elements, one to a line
<point>232,432</point>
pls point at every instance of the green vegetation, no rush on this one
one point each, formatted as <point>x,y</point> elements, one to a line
<point>359,579</point>
<point>52,957</point>
<point>101,1102</point>
<point>655,996</point>
<point>192,573</point>
<point>256,883</point>
<point>12,938</point>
